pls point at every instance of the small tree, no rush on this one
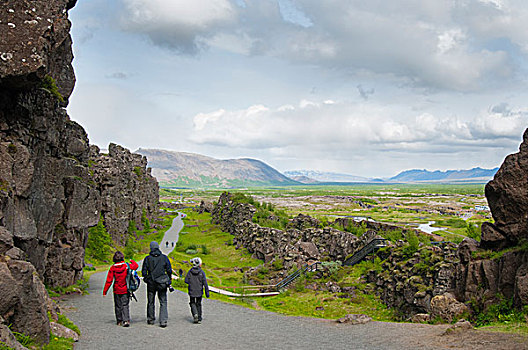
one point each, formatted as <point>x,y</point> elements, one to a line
<point>99,242</point>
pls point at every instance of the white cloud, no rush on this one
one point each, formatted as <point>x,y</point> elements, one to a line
<point>320,127</point>
<point>429,43</point>
<point>500,122</point>
<point>177,24</point>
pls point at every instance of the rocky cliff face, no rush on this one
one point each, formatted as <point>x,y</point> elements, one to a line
<point>44,175</point>
<point>52,186</point>
<point>507,195</point>
<point>506,274</point>
<point>129,193</point>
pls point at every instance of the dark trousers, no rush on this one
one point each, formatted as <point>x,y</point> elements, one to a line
<point>121,302</point>
<point>152,290</point>
<point>196,306</point>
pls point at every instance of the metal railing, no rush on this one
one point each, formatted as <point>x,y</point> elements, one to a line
<point>369,248</point>
<point>296,274</point>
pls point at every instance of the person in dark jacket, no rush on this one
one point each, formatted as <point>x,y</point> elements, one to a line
<point>117,274</point>
<point>197,282</point>
<point>157,274</point>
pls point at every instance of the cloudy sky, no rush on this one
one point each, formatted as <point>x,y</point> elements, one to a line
<point>367,88</point>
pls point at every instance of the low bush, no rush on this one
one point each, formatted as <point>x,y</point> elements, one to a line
<point>99,244</point>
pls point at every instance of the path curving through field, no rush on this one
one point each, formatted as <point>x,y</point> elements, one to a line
<point>228,326</point>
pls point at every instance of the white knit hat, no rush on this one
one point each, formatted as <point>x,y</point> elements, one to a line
<point>196,261</point>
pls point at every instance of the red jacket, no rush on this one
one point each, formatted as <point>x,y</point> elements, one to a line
<point>118,273</point>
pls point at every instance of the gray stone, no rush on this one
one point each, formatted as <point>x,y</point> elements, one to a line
<point>59,330</point>
<point>521,286</point>
<point>355,319</point>
<point>420,318</point>
<point>447,308</point>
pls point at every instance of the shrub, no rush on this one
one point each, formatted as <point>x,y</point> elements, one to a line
<point>132,247</point>
<point>145,221</point>
<point>356,229</point>
<point>99,242</point>
<point>393,235</point>
<point>500,312</point>
<point>277,264</point>
<point>412,244</point>
<point>242,198</point>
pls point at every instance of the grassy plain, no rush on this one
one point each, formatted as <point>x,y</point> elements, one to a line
<point>449,208</point>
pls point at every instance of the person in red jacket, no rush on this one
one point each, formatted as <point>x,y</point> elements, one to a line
<point>117,274</point>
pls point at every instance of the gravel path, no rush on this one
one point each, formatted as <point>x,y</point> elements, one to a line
<point>172,235</point>
<point>227,326</point>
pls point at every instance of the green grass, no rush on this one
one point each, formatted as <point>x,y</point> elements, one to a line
<point>79,287</point>
<point>58,343</point>
<point>65,321</point>
<point>221,259</point>
<point>325,305</point>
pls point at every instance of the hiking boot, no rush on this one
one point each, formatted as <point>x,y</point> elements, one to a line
<point>199,321</point>
<point>126,324</point>
<point>150,322</point>
<point>163,325</point>
<point>119,323</point>
<point>196,320</point>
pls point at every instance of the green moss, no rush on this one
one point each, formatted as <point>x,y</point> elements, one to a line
<point>138,171</point>
<point>496,255</point>
<point>4,186</point>
<point>49,84</point>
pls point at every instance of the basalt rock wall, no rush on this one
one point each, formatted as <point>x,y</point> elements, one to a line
<point>505,273</point>
<point>44,177</point>
<point>128,191</point>
<point>53,187</point>
<point>303,240</point>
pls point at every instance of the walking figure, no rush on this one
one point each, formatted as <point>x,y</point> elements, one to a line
<point>197,281</point>
<point>117,274</point>
<point>167,244</point>
<point>157,273</point>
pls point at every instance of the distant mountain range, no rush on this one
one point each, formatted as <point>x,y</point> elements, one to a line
<point>181,169</point>
<point>190,170</point>
<point>407,176</point>
<point>312,176</point>
<point>415,175</point>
